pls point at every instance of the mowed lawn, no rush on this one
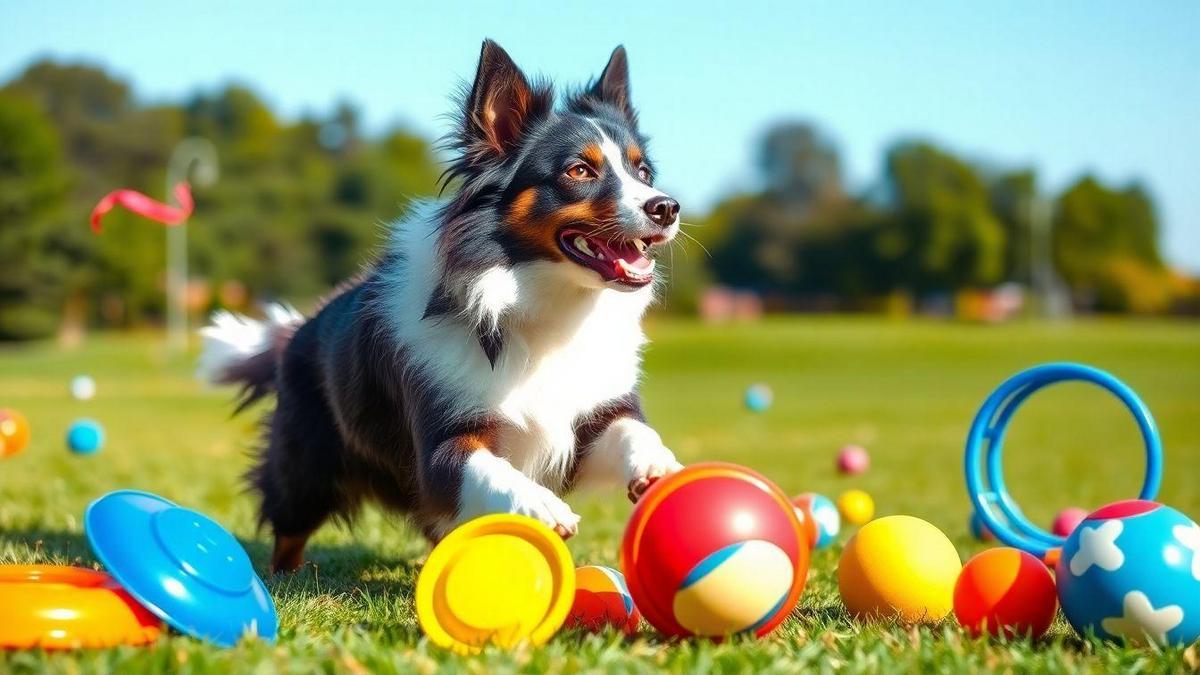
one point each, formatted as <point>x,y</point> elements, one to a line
<point>905,390</point>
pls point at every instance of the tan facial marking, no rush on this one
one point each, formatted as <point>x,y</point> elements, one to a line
<point>634,154</point>
<point>522,205</point>
<point>593,155</point>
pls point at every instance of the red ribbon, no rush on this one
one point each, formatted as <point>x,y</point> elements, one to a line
<point>145,206</point>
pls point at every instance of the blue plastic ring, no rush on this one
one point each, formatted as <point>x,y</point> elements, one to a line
<point>985,443</point>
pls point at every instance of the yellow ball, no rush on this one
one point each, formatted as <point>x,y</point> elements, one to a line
<point>899,567</point>
<point>856,507</point>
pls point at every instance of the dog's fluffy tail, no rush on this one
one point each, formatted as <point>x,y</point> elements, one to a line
<point>243,351</point>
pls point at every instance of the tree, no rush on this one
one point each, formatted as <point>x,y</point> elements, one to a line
<point>32,185</point>
<point>298,208</point>
<point>1106,246</point>
<point>760,233</point>
<point>800,167</point>
<point>1012,196</point>
<point>942,234</point>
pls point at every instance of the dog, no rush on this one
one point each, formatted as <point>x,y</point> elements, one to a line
<point>488,360</point>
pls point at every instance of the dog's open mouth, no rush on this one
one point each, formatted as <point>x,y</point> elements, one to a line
<point>624,261</point>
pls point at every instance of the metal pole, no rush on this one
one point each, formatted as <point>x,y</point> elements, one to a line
<point>197,157</point>
<point>1052,298</point>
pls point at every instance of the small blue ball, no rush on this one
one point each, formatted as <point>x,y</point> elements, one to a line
<point>85,437</point>
<point>979,529</point>
<point>759,398</point>
<point>1131,571</point>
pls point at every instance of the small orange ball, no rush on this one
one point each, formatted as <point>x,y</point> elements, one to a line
<point>1005,591</point>
<point>14,432</point>
<point>601,600</point>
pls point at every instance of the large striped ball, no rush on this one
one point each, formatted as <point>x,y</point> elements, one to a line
<point>714,550</point>
<point>601,600</point>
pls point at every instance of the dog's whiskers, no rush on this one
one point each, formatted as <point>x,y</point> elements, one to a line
<point>697,241</point>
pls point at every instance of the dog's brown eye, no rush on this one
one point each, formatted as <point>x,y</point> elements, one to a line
<point>580,171</point>
<point>644,174</point>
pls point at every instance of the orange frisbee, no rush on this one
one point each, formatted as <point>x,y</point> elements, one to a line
<point>61,607</point>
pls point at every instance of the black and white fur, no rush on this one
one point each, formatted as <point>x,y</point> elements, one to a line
<point>488,361</point>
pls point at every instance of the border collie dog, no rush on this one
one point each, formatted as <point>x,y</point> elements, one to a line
<point>488,360</point>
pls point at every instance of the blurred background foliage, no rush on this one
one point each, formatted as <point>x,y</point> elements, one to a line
<point>301,204</point>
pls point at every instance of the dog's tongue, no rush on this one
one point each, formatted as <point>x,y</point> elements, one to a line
<point>625,250</point>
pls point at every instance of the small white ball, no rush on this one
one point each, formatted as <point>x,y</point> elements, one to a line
<point>83,388</point>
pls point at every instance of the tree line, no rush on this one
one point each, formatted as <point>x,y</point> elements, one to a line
<point>298,208</point>
<point>932,223</point>
<point>300,205</point>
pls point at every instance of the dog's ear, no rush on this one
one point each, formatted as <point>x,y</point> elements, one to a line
<point>612,87</point>
<point>502,103</point>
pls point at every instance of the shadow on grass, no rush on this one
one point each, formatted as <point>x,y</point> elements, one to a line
<point>327,568</point>
<point>45,546</point>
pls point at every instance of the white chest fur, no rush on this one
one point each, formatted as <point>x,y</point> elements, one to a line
<point>567,348</point>
<point>549,375</point>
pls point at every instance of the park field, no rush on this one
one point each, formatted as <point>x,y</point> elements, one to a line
<point>905,390</point>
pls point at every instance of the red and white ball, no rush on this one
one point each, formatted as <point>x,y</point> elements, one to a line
<point>715,550</point>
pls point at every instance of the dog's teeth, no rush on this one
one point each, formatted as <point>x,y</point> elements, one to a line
<point>640,244</point>
<point>581,244</point>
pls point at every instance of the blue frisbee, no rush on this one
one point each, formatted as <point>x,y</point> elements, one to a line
<point>180,565</point>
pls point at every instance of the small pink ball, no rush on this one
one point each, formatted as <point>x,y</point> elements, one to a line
<point>1067,520</point>
<point>853,460</point>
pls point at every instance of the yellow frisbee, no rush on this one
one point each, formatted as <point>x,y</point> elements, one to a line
<point>501,579</point>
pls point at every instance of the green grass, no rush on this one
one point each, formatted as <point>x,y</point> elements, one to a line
<point>907,391</point>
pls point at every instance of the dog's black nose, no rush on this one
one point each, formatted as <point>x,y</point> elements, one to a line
<point>662,210</point>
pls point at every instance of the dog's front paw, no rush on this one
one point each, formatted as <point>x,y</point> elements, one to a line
<point>648,467</point>
<point>541,504</point>
<point>526,498</point>
<point>492,485</point>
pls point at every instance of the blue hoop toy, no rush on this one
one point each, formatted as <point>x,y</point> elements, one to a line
<point>985,479</point>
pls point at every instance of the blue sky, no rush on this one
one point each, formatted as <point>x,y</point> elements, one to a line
<point>1067,87</point>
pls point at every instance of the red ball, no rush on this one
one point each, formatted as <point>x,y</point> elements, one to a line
<point>1067,520</point>
<point>1005,591</point>
<point>852,460</point>
<point>601,600</point>
<point>713,550</point>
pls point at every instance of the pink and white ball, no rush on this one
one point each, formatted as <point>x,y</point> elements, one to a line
<point>853,460</point>
<point>1067,520</point>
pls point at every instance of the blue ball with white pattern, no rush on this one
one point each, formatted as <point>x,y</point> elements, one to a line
<point>1131,571</point>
